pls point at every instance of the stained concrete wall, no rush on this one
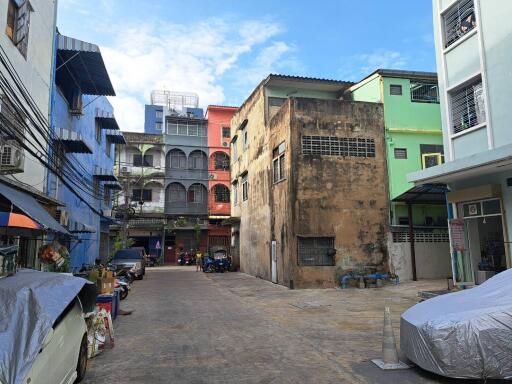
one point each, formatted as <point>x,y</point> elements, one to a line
<point>253,159</point>
<point>342,196</point>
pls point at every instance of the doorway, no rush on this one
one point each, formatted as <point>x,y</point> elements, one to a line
<point>484,253</point>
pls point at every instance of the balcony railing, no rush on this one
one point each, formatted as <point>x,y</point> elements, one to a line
<point>187,174</point>
<point>182,208</point>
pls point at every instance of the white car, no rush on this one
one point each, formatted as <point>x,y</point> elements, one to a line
<point>63,357</point>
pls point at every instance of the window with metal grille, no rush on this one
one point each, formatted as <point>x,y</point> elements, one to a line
<point>158,126</point>
<point>226,132</point>
<point>197,194</point>
<point>400,153</point>
<point>159,114</point>
<point>245,188</point>
<point>278,163</point>
<point>6,153</point>
<point>221,193</point>
<point>458,21</point>
<point>177,193</point>
<point>468,107</point>
<point>106,196</point>
<point>338,146</point>
<point>424,92</point>
<point>234,187</point>
<point>18,24</point>
<point>395,90</point>
<point>177,159</point>
<point>315,250</point>
<point>198,160</point>
<point>221,161</point>
<point>186,129</point>
<point>142,195</point>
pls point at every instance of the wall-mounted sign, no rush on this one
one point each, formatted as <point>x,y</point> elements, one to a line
<point>473,209</point>
<point>456,227</point>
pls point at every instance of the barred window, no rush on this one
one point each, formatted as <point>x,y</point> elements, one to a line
<point>234,187</point>
<point>221,161</point>
<point>177,193</point>
<point>424,92</point>
<point>338,146</point>
<point>468,108</point>
<point>226,132</point>
<point>458,21</point>
<point>177,159</point>
<point>221,193</point>
<point>315,250</point>
<point>400,153</point>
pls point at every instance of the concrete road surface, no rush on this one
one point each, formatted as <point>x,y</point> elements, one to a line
<point>192,327</point>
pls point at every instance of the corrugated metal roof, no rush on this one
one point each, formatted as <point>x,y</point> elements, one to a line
<point>306,78</point>
<point>405,74</point>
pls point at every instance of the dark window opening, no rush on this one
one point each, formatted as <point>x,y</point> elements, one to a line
<point>226,132</point>
<point>316,251</point>
<point>142,195</point>
<point>403,221</point>
<point>278,164</point>
<point>138,160</point>
<point>221,161</point>
<point>18,24</point>
<point>245,188</point>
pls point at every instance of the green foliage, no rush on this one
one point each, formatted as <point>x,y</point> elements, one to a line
<point>119,244</point>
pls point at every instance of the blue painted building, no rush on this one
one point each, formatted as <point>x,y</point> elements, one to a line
<point>86,134</point>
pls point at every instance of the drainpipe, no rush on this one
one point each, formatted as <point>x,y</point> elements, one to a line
<point>411,240</point>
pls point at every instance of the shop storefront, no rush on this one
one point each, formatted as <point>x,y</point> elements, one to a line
<point>478,239</point>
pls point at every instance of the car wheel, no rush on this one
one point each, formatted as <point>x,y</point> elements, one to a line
<point>81,366</point>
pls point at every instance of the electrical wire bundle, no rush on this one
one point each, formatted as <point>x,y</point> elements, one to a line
<point>22,121</point>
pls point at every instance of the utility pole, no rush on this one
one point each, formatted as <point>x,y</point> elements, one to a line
<point>126,210</point>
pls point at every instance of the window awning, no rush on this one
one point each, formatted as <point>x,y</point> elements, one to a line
<point>103,174</point>
<point>72,142</point>
<point>80,64</point>
<point>32,208</point>
<point>115,136</point>
<point>106,120</point>
<point>82,228</point>
<point>113,185</point>
<point>424,194</point>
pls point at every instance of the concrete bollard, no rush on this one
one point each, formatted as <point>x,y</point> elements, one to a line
<point>389,353</point>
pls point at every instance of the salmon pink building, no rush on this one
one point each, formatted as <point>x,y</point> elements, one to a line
<point>219,208</point>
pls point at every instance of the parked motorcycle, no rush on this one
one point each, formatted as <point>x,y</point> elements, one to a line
<point>181,259</point>
<point>125,287</point>
<point>190,259</point>
<point>219,262</point>
<point>153,261</point>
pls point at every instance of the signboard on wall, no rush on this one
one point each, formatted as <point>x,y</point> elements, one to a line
<point>456,227</point>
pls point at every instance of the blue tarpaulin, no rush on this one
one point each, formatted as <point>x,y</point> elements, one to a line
<point>30,302</point>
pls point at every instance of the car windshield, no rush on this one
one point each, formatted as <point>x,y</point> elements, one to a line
<point>128,254</point>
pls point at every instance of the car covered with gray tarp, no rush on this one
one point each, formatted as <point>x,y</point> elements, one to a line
<point>465,334</point>
<point>30,303</point>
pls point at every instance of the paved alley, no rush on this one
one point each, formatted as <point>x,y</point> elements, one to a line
<point>192,327</point>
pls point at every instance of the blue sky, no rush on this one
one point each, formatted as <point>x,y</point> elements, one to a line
<point>222,49</point>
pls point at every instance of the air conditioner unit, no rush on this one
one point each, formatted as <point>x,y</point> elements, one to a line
<point>213,176</point>
<point>76,107</point>
<point>12,159</point>
<point>125,170</point>
<point>225,144</point>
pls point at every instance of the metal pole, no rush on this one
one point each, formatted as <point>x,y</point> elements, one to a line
<point>411,240</point>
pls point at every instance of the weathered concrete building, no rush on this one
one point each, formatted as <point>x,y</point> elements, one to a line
<point>308,176</point>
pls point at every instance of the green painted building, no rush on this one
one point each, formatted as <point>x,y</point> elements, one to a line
<point>413,133</point>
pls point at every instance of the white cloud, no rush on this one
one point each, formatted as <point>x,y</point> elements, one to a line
<point>191,57</point>
<point>358,66</point>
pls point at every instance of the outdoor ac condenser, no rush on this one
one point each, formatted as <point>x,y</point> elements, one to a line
<point>12,159</point>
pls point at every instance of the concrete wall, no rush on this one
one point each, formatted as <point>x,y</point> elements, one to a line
<point>344,197</point>
<point>254,213</point>
<point>432,259</point>
<point>35,72</point>
<point>150,119</point>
